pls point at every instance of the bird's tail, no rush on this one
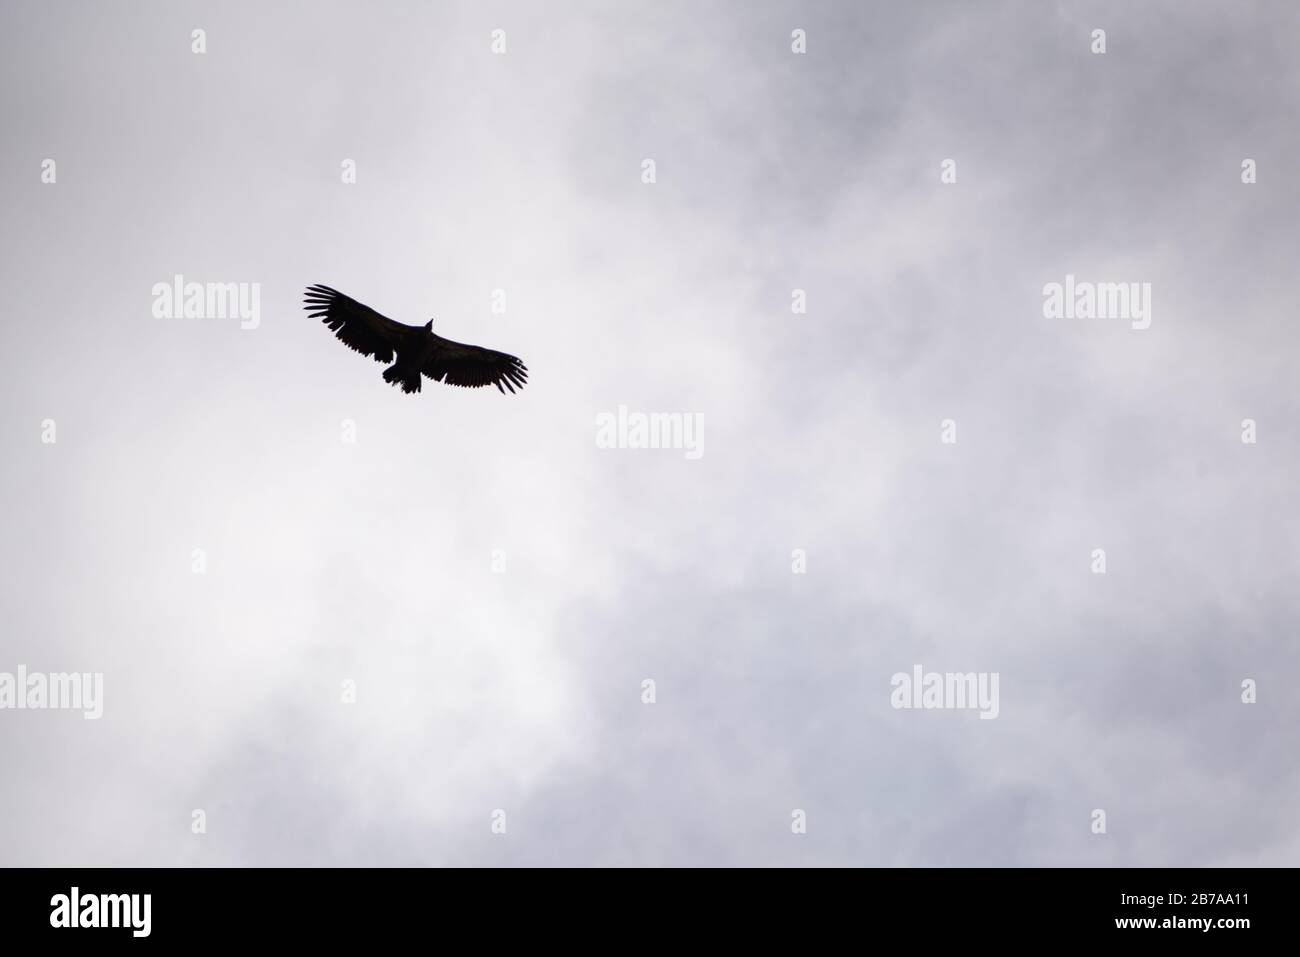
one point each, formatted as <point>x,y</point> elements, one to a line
<point>408,380</point>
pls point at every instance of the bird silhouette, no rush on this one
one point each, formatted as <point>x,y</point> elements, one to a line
<point>418,350</point>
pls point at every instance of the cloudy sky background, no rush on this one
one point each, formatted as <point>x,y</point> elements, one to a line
<point>522,691</point>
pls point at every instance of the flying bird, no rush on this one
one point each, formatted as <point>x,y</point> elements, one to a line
<point>417,349</point>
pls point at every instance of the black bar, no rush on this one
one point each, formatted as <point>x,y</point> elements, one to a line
<point>369,906</point>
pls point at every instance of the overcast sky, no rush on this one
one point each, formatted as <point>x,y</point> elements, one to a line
<point>521,690</point>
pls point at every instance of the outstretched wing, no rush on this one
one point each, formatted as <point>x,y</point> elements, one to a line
<point>356,326</point>
<point>456,363</point>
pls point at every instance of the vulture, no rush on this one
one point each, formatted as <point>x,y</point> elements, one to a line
<point>417,349</point>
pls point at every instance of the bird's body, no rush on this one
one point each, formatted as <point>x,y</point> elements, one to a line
<point>406,370</point>
<point>415,351</point>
